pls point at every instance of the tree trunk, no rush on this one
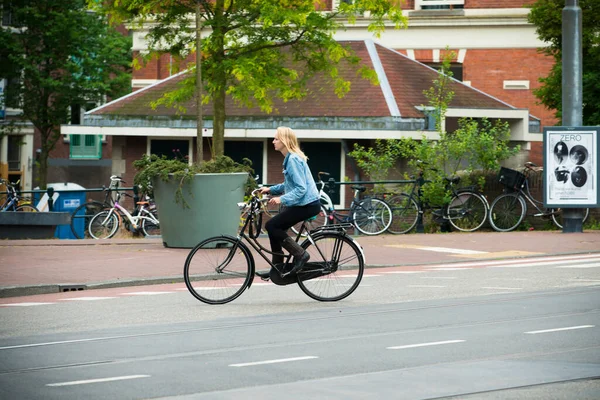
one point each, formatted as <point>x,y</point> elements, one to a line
<point>199,116</point>
<point>219,122</point>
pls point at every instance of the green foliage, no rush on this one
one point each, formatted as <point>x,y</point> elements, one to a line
<point>546,15</point>
<point>376,162</point>
<point>153,167</point>
<point>62,55</point>
<point>253,51</point>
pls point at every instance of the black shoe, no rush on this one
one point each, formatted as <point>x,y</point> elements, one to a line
<point>299,263</point>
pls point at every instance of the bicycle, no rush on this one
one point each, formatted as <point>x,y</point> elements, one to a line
<point>106,223</point>
<point>369,215</point>
<point>14,201</point>
<point>219,269</point>
<point>509,209</point>
<point>467,210</point>
<point>82,215</point>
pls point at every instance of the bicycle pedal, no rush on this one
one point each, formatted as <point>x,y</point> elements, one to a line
<point>263,275</point>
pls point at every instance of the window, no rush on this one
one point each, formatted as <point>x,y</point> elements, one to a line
<point>439,4</point>
<point>455,68</point>
<point>85,146</point>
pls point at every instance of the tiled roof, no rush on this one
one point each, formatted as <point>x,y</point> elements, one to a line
<point>407,79</point>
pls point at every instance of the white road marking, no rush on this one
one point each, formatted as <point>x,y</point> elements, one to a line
<point>144,293</point>
<point>402,272</point>
<point>437,277</point>
<point>24,304</point>
<point>426,286</point>
<point>87,298</point>
<point>447,269</point>
<point>518,261</point>
<point>501,288</point>
<point>281,360</point>
<point>561,329</point>
<point>84,382</point>
<point>409,346</point>
<point>596,265</point>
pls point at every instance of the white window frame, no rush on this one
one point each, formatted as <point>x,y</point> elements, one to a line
<point>420,3</point>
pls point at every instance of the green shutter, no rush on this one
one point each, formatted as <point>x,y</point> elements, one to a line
<point>88,148</point>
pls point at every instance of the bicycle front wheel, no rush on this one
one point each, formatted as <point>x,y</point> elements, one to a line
<point>467,211</point>
<point>26,208</point>
<point>507,212</point>
<point>335,268</point>
<point>557,216</point>
<point>372,216</point>
<point>405,213</point>
<point>218,270</point>
<point>81,217</point>
<point>103,225</point>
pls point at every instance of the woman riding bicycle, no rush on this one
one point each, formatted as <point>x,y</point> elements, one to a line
<point>300,198</point>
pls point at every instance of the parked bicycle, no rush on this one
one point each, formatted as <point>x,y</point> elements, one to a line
<point>369,215</point>
<point>14,201</point>
<point>467,210</point>
<point>82,215</point>
<point>106,223</point>
<point>219,269</point>
<point>509,209</point>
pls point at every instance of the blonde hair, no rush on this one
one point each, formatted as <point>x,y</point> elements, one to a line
<point>290,141</point>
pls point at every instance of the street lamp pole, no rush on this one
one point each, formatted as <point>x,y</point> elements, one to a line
<point>199,116</point>
<point>572,92</point>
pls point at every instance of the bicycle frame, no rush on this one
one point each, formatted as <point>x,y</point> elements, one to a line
<point>255,209</point>
<point>135,220</point>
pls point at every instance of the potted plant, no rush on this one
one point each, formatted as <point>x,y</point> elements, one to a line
<point>195,201</point>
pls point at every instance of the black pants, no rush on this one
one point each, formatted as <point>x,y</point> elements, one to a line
<point>278,225</point>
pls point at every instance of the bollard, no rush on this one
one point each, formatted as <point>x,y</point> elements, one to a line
<point>50,192</point>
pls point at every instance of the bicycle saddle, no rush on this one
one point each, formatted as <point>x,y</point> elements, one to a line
<point>359,188</point>
<point>453,180</point>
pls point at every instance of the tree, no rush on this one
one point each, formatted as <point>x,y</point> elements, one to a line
<point>546,15</point>
<point>253,51</point>
<point>62,55</point>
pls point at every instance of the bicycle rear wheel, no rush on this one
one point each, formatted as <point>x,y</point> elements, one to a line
<point>405,213</point>
<point>81,217</point>
<point>218,270</point>
<point>319,220</point>
<point>557,216</point>
<point>149,227</point>
<point>335,268</point>
<point>372,216</point>
<point>26,208</point>
<point>467,211</point>
<point>507,212</point>
<point>103,225</point>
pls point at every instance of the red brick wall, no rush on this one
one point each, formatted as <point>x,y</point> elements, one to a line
<point>158,68</point>
<point>487,69</point>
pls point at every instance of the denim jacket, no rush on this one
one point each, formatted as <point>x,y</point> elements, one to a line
<point>299,186</point>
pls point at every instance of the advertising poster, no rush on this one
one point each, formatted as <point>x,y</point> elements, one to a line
<point>571,167</point>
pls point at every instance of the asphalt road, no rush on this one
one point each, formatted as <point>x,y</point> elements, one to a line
<point>474,330</point>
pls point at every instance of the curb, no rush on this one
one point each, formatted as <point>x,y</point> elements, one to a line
<point>30,290</point>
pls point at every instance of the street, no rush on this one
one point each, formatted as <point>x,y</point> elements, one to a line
<point>518,328</point>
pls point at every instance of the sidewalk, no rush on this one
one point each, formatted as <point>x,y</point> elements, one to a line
<point>51,266</point>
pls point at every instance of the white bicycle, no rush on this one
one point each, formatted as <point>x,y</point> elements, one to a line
<point>106,223</point>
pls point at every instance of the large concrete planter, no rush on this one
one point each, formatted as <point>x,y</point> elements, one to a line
<point>31,225</point>
<point>212,200</point>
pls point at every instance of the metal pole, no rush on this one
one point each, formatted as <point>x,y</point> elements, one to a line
<point>572,93</point>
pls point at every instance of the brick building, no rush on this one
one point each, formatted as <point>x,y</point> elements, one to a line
<point>497,56</point>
